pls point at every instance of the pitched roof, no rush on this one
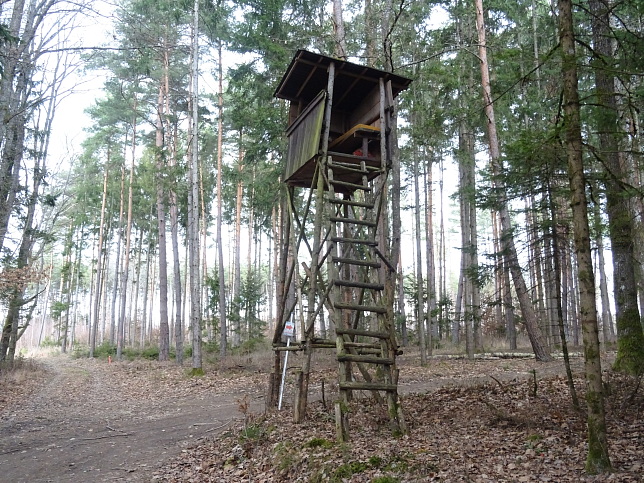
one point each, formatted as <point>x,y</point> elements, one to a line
<point>306,76</point>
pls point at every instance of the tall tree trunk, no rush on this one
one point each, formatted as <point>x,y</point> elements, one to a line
<point>120,338</point>
<point>118,261</point>
<point>597,460</point>
<point>16,75</point>
<point>171,127</point>
<point>630,338</point>
<point>220,249</point>
<point>340,50</point>
<point>176,277</point>
<point>607,318</point>
<point>534,243</point>
<point>137,288</point>
<point>469,242</point>
<point>402,317</point>
<point>557,289</point>
<point>420,319</point>
<point>507,238</point>
<point>99,265</point>
<point>442,280</point>
<point>164,328</point>
<point>369,32</point>
<point>429,240</point>
<point>236,295</point>
<point>11,330</point>
<point>146,292</point>
<point>272,272</point>
<point>193,207</point>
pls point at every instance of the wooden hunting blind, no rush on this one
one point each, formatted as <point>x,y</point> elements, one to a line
<point>338,288</point>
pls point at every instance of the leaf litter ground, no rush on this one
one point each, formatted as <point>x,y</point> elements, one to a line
<point>470,421</point>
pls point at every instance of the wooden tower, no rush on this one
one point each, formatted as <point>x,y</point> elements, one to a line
<point>336,284</point>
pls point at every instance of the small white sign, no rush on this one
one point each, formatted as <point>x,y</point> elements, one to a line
<point>289,329</point>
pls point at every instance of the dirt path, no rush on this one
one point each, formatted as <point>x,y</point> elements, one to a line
<point>95,422</point>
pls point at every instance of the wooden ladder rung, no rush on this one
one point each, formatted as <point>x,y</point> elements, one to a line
<point>365,359</point>
<point>359,204</point>
<point>368,386</point>
<point>360,308</point>
<point>355,221</point>
<point>349,168</point>
<point>352,157</point>
<point>369,351</point>
<point>356,284</point>
<point>350,185</point>
<point>354,241</point>
<point>360,263</point>
<point>363,332</point>
<point>361,345</point>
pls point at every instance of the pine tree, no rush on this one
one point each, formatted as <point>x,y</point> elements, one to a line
<point>597,460</point>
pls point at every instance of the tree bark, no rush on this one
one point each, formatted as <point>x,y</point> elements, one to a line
<point>469,244</point>
<point>120,337</point>
<point>118,261</point>
<point>340,50</point>
<point>99,265</point>
<point>236,295</point>
<point>429,240</point>
<point>223,327</point>
<point>193,207</point>
<point>507,238</point>
<point>607,318</point>
<point>630,337</point>
<point>597,460</point>
<point>164,328</point>
<point>420,319</point>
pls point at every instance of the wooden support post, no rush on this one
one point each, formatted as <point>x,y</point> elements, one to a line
<point>272,391</point>
<point>298,414</point>
<point>341,421</point>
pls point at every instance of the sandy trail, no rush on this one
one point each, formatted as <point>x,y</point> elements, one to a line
<point>82,426</point>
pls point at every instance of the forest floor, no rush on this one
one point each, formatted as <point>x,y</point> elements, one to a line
<point>486,420</point>
<point>81,420</point>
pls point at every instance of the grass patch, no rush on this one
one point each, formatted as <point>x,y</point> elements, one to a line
<point>385,479</point>
<point>318,443</point>
<point>347,470</point>
<point>252,432</point>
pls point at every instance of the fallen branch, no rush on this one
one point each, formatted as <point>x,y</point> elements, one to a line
<point>105,437</point>
<point>204,424</point>
<point>219,427</point>
<point>498,382</point>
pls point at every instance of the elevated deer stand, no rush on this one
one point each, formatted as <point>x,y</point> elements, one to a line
<point>340,147</point>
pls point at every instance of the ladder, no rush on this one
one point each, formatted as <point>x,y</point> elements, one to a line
<point>362,313</point>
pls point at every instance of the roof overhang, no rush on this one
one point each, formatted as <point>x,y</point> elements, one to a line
<point>306,76</point>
